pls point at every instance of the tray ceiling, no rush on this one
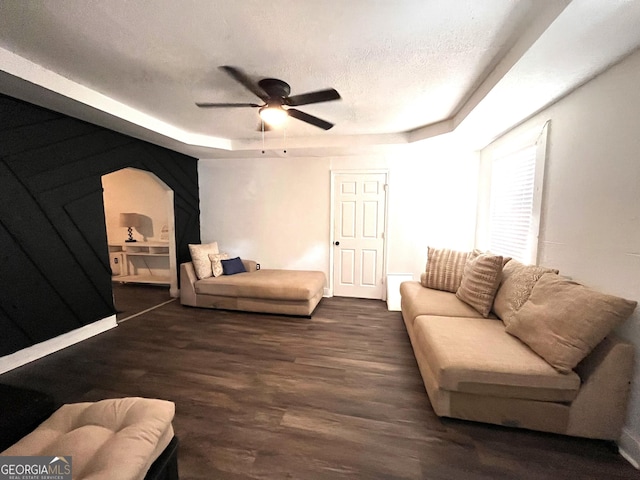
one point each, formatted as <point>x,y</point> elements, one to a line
<point>406,70</point>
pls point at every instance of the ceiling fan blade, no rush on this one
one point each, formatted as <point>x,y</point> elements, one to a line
<point>313,97</point>
<point>225,105</point>
<point>241,77</point>
<point>305,117</point>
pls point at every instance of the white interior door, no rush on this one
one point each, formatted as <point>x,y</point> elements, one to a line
<point>358,234</point>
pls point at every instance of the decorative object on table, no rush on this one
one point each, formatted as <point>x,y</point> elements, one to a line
<point>164,233</point>
<point>130,220</point>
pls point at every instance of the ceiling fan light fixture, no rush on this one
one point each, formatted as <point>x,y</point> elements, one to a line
<point>274,116</point>
<point>275,95</point>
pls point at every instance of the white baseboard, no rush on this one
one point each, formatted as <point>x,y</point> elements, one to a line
<point>629,447</point>
<point>29,354</point>
<point>327,293</point>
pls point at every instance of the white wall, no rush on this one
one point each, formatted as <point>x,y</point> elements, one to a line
<point>277,210</point>
<point>590,226</point>
<point>432,202</point>
<point>272,210</point>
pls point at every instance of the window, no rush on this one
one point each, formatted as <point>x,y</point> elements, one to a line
<point>515,201</point>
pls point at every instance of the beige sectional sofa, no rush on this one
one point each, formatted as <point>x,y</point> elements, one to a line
<point>285,292</point>
<point>473,369</point>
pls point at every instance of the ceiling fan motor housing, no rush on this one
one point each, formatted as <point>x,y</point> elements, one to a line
<point>274,87</point>
<point>275,95</point>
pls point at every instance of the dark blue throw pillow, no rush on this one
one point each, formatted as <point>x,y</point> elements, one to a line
<point>232,266</point>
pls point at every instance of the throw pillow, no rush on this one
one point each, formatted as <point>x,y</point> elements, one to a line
<point>515,287</point>
<point>563,321</point>
<point>444,269</point>
<point>480,281</point>
<point>233,266</point>
<point>200,258</point>
<point>216,263</point>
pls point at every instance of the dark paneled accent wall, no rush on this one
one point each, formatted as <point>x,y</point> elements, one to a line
<point>54,260</point>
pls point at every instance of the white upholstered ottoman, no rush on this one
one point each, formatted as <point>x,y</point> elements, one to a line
<point>110,439</point>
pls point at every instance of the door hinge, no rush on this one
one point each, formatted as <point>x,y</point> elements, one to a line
<point>386,187</point>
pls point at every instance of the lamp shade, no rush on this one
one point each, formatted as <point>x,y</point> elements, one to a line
<point>129,220</point>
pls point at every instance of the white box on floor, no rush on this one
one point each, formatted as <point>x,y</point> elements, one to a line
<point>116,261</point>
<point>393,289</point>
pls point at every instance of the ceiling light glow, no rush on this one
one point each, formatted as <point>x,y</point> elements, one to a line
<point>274,116</point>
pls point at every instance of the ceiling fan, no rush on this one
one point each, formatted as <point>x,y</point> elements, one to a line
<point>277,102</point>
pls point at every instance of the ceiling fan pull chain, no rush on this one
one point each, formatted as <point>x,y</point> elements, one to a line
<point>284,137</point>
<point>262,124</point>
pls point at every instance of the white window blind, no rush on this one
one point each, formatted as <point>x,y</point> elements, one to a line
<point>511,221</point>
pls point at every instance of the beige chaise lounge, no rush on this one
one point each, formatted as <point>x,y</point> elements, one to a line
<point>285,292</point>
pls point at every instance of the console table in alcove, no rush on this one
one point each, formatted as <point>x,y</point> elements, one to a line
<point>140,262</point>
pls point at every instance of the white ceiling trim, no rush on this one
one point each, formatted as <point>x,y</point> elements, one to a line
<point>534,67</point>
<point>166,134</point>
<point>46,79</point>
<point>31,72</point>
<point>51,81</point>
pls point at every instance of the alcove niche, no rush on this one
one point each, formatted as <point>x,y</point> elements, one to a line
<point>151,258</point>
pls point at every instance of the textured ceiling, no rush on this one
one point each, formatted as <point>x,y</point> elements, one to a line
<point>405,68</point>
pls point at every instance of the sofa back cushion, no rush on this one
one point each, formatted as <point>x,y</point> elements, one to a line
<point>476,355</point>
<point>444,269</point>
<point>562,321</point>
<point>200,258</point>
<point>515,287</point>
<point>417,300</point>
<point>216,263</point>
<point>232,266</point>
<point>480,281</point>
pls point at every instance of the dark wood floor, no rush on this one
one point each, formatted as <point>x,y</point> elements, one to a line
<point>334,397</point>
<point>131,298</point>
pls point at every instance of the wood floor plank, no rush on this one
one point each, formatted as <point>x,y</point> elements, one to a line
<point>337,396</point>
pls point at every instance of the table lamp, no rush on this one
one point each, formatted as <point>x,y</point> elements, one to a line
<point>130,220</point>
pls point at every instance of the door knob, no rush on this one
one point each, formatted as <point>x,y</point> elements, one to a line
<point>336,243</point>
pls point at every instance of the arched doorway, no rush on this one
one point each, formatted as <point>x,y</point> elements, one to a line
<point>139,197</point>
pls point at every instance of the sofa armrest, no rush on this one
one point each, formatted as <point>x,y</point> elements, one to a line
<point>188,280</point>
<point>250,265</point>
<point>600,409</point>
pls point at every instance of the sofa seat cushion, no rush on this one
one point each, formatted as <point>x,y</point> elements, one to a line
<point>419,300</point>
<point>476,355</point>
<point>271,284</point>
<point>115,438</point>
